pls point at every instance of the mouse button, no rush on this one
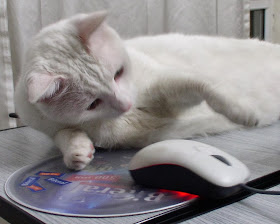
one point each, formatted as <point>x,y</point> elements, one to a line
<point>238,166</point>
<point>222,159</point>
<point>215,171</point>
<point>203,165</point>
<point>242,171</point>
<point>228,176</point>
<point>223,177</point>
<point>207,149</point>
<point>233,178</point>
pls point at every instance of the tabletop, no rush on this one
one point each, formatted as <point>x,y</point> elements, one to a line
<point>258,148</point>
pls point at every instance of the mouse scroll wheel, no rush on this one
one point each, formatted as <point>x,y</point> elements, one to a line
<point>222,159</point>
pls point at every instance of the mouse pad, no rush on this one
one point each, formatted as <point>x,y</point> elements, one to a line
<point>103,189</point>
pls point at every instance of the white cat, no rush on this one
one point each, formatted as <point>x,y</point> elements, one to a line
<point>82,84</point>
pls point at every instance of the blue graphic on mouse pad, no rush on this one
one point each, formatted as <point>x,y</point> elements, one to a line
<point>103,189</point>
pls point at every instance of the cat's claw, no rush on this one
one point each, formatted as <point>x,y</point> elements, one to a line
<point>79,154</point>
<point>250,120</point>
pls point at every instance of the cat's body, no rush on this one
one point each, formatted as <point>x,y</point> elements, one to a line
<point>142,90</point>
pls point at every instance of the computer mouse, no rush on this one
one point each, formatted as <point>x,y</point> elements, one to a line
<point>188,166</point>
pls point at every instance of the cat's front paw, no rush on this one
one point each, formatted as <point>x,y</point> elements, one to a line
<point>245,117</point>
<point>251,121</point>
<point>79,154</point>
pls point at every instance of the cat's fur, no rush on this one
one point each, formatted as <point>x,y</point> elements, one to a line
<point>171,86</point>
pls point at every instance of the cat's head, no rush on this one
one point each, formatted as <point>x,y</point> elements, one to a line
<point>78,70</point>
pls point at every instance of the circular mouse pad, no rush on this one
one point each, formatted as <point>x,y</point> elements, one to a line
<point>103,189</point>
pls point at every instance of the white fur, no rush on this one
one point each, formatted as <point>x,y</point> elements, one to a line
<point>179,87</point>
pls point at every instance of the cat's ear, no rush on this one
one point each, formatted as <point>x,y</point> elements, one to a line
<point>42,86</point>
<point>88,24</point>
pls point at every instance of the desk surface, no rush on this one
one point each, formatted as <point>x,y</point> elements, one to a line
<point>258,148</point>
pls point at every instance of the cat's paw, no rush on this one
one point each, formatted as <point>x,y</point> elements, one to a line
<point>80,153</point>
<point>251,121</point>
<point>238,113</point>
<point>244,117</point>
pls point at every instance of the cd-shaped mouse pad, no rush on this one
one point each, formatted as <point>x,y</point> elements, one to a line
<point>103,189</point>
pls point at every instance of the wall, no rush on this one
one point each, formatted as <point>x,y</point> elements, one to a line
<point>276,23</point>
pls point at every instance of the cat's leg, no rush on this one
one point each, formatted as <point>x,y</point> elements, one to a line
<point>76,147</point>
<point>171,96</point>
<point>235,112</point>
<point>146,128</point>
<point>198,121</point>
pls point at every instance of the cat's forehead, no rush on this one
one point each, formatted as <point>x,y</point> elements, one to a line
<point>58,50</point>
<point>57,40</point>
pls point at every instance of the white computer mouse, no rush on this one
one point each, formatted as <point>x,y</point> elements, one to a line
<point>188,166</point>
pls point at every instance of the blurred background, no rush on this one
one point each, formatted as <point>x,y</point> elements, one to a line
<point>20,20</point>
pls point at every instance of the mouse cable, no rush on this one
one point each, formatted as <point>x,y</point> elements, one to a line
<point>258,191</point>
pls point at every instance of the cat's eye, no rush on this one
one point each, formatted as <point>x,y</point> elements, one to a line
<point>119,73</point>
<point>94,104</point>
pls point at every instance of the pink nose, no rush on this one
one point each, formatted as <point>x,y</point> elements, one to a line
<point>121,102</point>
<point>126,106</point>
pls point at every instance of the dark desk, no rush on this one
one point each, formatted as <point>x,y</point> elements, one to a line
<point>259,149</point>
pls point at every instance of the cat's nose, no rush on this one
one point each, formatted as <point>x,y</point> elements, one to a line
<point>126,107</point>
<point>122,104</point>
<point>121,101</point>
